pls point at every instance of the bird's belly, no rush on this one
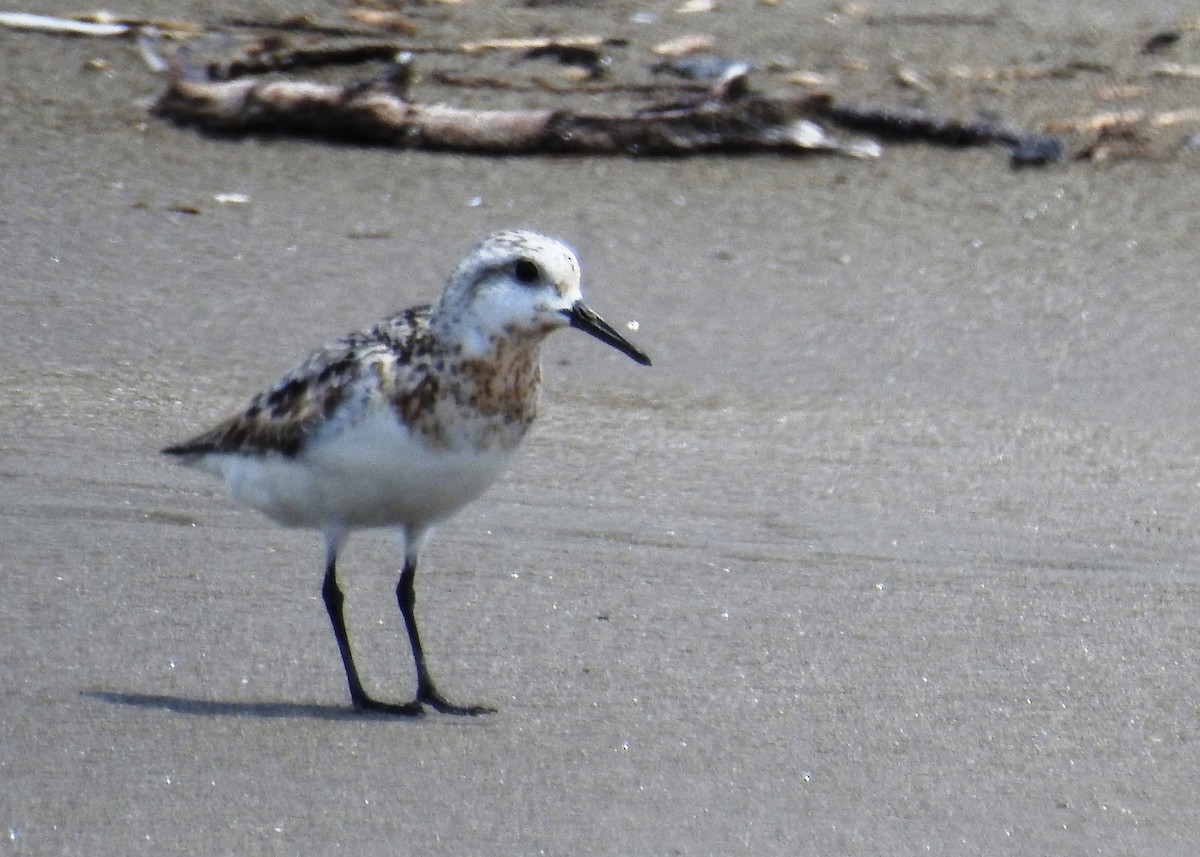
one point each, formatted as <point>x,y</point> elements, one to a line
<point>374,474</point>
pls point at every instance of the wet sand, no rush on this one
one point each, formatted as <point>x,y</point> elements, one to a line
<point>892,551</point>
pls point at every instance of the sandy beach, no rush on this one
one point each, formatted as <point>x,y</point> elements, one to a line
<point>892,551</point>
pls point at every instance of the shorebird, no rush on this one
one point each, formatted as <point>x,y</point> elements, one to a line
<point>403,424</point>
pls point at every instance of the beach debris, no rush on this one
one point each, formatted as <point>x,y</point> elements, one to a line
<point>812,79</point>
<point>464,80</point>
<point>912,79</point>
<point>539,43</point>
<point>384,19</point>
<point>1026,148</point>
<point>97,24</point>
<point>303,23</point>
<point>705,67</point>
<point>1024,71</point>
<point>729,118</point>
<point>68,26</point>
<point>592,61</point>
<point>1116,120</point>
<point>681,46</point>
<point>1161,41</point>
<point>708,107</point>
<point>269,55</point>
<point>1174,69</point>
<point>1124,134</point>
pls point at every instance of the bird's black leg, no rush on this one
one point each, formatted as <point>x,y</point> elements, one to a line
<point>333,603</point>
<point>427,693</point>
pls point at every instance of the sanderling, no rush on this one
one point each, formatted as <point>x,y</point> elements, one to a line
<point>405,423</point>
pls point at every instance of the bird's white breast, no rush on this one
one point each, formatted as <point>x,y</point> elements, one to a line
<point>375,473</point>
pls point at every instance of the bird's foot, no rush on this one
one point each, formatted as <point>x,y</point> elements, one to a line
<point>374,706</point>
<point>439,703</point>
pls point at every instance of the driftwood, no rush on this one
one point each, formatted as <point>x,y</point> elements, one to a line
<point>378,112</point>
<point>727,118</point>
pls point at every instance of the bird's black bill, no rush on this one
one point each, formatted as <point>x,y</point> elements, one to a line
<point>583,318</point>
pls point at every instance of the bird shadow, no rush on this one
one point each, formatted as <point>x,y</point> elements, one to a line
<point>228,708</point>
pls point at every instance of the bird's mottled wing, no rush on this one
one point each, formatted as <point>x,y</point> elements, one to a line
<point>283,418</point>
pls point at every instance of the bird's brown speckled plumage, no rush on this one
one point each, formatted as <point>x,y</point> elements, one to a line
<point>445,398</point>
<point>391,360</point>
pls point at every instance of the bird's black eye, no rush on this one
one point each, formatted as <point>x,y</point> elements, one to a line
<point>527,272</point>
